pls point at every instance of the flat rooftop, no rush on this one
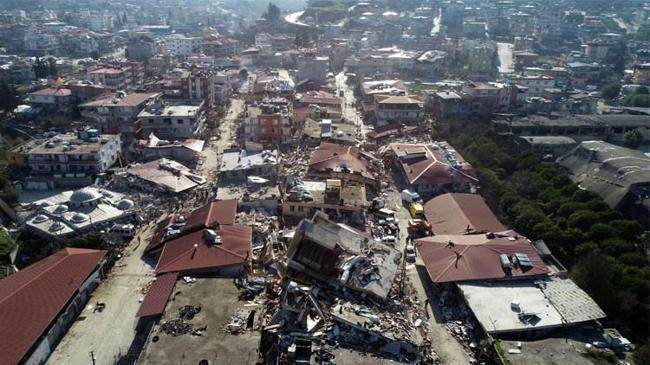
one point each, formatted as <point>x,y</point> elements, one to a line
<point>548,303</point>
<point>171,111</point>
<point>216,345</point>
<point>67,143</point>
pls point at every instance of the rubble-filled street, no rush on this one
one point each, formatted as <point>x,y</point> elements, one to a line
<point>324,182</point>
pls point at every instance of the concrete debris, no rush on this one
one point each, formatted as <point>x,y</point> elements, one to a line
<point>177,327</point>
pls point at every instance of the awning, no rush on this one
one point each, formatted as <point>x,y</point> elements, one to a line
<point>156,299</point>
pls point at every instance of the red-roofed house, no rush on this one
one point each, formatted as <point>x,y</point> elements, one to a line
<point>211,215</point>
<point>40,302</point>
<point>117,113</point>
<point>430,169</point>
<point>398,109</point>
<point>207,241</point>
<point>336,161</point>
<point>52,100</point>
<point>224,252</point>
<point>461,213</point>
<point>457,258</point>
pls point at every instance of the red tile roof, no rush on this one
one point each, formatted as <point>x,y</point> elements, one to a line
<point>159,233</point>
<point>156,299</point>
<point>50,91</point>
<point>432,166</point>
<point>218,212</point>
<point>333,157</point>
<point>31,299</point>
<point>181,254</point>
<point>475,257</point>
<point>454,213</point>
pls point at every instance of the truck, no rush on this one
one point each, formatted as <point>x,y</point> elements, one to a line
<point>419,228</point>
<point>416,210</point>
<point>411,196</point>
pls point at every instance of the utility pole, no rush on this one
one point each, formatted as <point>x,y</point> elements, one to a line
<point>92,357</point>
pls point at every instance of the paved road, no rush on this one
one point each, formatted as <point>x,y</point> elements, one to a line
<point>505,57</point>
<point>349,107</point>
<point>109,333</point>
<point>293,19</point>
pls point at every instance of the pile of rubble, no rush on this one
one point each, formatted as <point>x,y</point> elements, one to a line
<point>177,327</point>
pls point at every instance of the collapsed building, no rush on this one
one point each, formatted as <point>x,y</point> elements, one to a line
<point>162,175</point>
<point>341,257</point>
<point>302,199</point>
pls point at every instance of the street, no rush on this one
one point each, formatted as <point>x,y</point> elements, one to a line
<point>227,129</point>
<point>449,350</point>
<point>108,334</point>
<point>349,106</point>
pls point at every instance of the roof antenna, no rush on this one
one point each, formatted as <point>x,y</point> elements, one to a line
<point>458,257</point>
<point>196,246</point>
<point>450,243</point>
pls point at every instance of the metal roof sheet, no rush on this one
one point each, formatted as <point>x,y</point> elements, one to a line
<point>454,213</point>
<point>156,299</point>
<point>31,299</point>
<point>476,257</point>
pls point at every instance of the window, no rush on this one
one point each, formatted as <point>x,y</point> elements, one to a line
<point>180,121</point>
<point>167,120</point>
<point>150,121</point>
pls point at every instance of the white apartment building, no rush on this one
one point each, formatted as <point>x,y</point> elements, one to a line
<point>180,45</point>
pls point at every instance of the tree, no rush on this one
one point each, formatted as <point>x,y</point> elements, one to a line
<point>633,139</point>
<point>302,38</point>
<point>272,13</point>
<point>52,70</point>
<point>40,70</point>
<point>610,91</point>
<point>94,55</point>
<point>642,90</point>
<point>8,96</point>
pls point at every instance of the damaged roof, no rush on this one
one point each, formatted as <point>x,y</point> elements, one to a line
<point>453,258</point>
<point>607,170</point>
<point>32,299</point>
<point>194,253</point>
<point>544,303</point>
<point>339,158</point>
<point>338,252</point>
<point>211,215</point>
<point>437,163</point>
<point>461,213</point>
<point>168,174</point>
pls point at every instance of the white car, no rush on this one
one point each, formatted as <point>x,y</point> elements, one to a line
<point>410,253</point>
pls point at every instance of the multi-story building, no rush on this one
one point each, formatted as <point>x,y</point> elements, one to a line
<point>180,45</point>
<point>118,113</point>
<point>40,44</point>
<point>313,68</point>
<point>71,159</point>
<point>113,78</point>
<point>171,122</point>
<point>269,124</point>
<point>399,109</point>
<point>534,84</point>
<point>52,100</point>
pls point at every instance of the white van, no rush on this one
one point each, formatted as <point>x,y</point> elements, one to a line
<point>124,230</point>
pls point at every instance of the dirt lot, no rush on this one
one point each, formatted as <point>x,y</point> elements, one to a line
<point>218,301</point>
<point>109,333</point>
